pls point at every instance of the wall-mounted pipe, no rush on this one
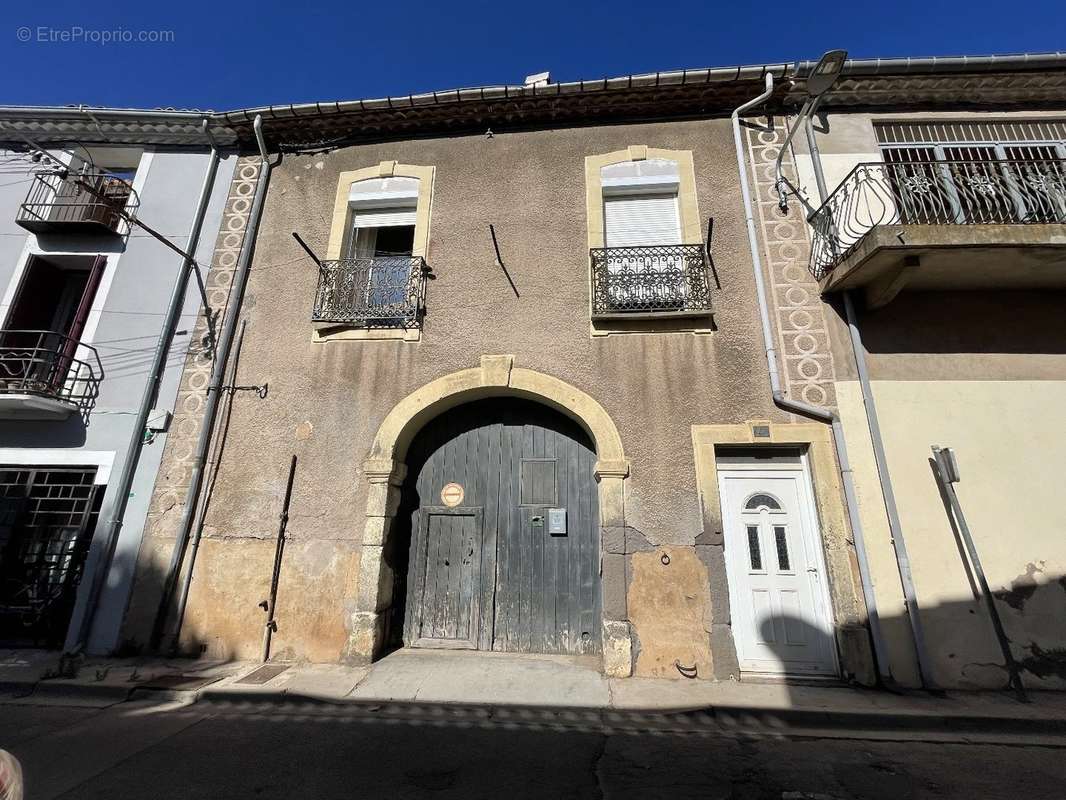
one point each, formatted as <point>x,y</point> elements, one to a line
<point>806,409</point>
<point>899,544</point>
<point>108,537</point>
<point>270,604</point>
<point>207,424</point>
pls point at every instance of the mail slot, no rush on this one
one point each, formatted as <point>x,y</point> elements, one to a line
<point>557,521</point>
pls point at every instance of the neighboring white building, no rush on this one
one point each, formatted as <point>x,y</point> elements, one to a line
<point>83,299</point>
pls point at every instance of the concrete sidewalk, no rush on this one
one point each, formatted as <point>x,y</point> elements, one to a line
<point>538,689</point>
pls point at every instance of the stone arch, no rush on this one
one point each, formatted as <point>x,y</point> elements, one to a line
<point>385,470</point>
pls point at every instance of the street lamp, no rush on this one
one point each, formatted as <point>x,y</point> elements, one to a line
<point>821,78</point>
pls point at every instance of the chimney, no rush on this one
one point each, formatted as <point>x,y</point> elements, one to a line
<point>539,79</point>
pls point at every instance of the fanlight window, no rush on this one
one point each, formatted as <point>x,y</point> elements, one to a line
<point>758,501</point>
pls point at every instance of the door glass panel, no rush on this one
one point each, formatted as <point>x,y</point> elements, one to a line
<point>782,548</point>
<point>757,501</point>
<point>753,547</point>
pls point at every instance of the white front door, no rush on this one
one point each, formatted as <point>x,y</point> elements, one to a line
<point>781,619</point>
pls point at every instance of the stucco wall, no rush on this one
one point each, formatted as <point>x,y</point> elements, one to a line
<point>984,373</point>
<point>327,399</point>
<point>124,327</point>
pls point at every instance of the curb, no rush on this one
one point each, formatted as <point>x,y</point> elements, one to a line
<point>722,719</point>
<point>712,719</point>
<point>59,693</point>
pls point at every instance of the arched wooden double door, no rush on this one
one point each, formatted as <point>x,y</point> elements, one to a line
<point>502,512</point>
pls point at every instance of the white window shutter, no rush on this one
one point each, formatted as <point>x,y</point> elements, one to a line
<point>384,217</point>
<point>635,220</point>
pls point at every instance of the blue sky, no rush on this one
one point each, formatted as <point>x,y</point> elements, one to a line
<point>235,54</point>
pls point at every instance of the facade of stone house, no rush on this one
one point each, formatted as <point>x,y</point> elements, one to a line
<point>513,338</point>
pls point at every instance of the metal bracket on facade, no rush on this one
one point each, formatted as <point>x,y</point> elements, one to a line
<point>259,390</point>
<point>707,248</point>
<point>499,260</point>
<point>307,249</point>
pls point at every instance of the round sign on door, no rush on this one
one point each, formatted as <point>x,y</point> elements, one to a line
<point>452,494</point>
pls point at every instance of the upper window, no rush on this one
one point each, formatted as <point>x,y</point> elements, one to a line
<point>646,252</point>
<point>383,214</point>
<point>92,194</point>
<point>374,276</point>
<point>41,349</point>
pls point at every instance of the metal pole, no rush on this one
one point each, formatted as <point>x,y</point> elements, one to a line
<point>499,261</point>
<point>307,249</point>
<point>271,624</point>
<point>109,536</point>
<point>196,475</point>
<point>1013,670</point>
<point>816,156</point>
<point>899,544</point>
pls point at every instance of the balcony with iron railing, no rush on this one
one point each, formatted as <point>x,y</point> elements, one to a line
<point>92,203</point>
<point>46,375</point>
<point>943,224</point>
<point>650,282</point>
<point>375,292</point>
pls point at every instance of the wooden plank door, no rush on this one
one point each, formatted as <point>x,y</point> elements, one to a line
<point>533,591</point>
<point>448,566</point>
<point>547,585</point>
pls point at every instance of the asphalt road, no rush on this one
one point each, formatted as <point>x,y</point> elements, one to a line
<point>143,749</point>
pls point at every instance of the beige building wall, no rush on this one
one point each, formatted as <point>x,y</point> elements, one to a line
<point>1011,494</point>
<point>985,374</point>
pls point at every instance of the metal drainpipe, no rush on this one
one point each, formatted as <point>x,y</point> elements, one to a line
<point>796,406</point>
<point>109,537</point>
<point>218,375</point>
<point>899,545</point>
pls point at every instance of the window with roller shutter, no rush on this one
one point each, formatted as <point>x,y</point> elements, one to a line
<point>646,261</point>
<point>376,280</point>
<point>641,224</point>
<point>637,220</point>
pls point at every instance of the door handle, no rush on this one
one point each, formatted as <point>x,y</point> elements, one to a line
<point>812,569</point>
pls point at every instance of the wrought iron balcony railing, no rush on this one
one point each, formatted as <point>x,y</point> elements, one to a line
<point>378,292</point>
<point>79,202</point>
<point>655,279</point>
<point>50,365</point>
<point>934,193</point>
